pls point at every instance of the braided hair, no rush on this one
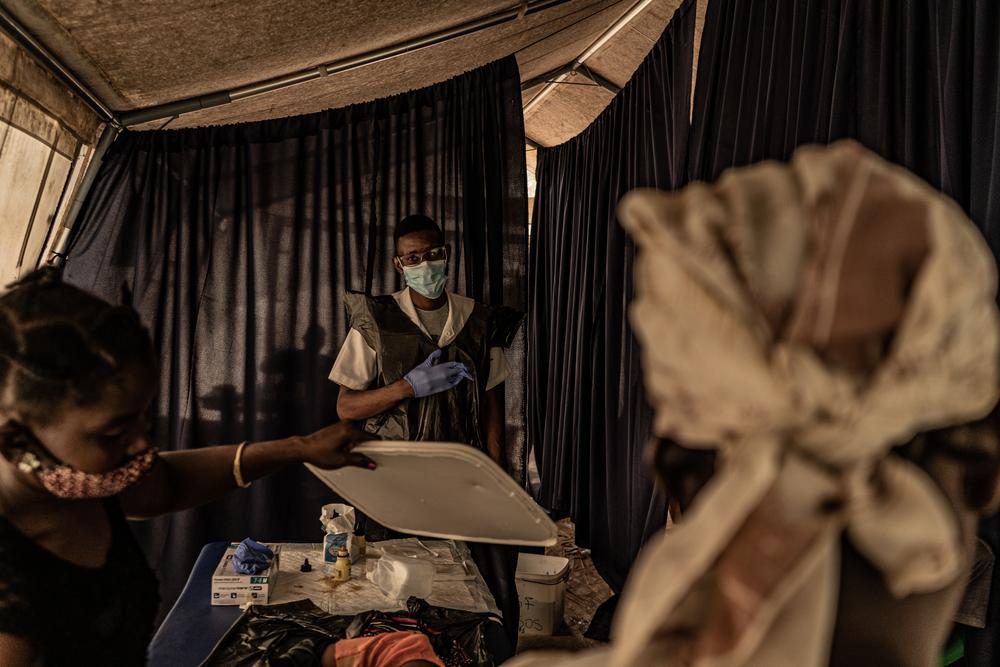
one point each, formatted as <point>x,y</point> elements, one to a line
<point>60,345</point>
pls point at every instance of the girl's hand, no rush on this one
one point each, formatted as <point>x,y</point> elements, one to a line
<point>330,448</point>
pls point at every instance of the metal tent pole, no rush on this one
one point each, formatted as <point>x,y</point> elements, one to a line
<point>108,137</point>
<point>578,64</point>
<point>27,41</point>
<point>225,97</point>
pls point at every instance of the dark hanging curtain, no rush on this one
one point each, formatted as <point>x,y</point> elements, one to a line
<point>238,242</point>
<point>588,419</point>
<point>917,81</point>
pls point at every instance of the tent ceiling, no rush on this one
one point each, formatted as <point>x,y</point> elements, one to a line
<point>22,77</point>
<point>139,53</point>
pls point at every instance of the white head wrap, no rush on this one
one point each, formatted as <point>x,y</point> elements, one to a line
<point>803,319</point>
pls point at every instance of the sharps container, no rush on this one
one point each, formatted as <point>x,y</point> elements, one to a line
<point>541,588</point>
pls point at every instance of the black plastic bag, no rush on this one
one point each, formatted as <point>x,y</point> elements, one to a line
<point>457,637</point>
<point>295,634</point>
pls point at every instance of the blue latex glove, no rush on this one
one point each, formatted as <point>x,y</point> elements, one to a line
<point>251,557</point>
<point>430,378</point>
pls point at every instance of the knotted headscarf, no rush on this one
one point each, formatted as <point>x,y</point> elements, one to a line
<point>803,319</point>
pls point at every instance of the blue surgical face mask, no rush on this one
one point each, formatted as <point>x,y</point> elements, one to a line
<point>427,278</point>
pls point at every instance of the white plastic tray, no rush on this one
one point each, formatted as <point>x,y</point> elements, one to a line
<point>441,489</point>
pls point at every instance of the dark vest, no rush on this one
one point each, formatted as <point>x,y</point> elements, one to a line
<point>454,415</point>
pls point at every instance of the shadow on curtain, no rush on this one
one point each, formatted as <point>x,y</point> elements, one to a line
<point>238,242</point>
<point>918,82</point>
<point>588,420</point>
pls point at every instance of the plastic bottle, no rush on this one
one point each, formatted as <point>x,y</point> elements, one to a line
<point>359,535</point>
<point>342,569</point>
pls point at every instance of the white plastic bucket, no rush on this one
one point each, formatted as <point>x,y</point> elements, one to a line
<point>541,588</point>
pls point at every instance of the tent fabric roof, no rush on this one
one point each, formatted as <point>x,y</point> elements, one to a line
<point>140,53</point>
<point>22,77</point>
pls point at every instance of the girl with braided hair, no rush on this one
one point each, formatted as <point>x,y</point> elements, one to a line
<point>77,381</point>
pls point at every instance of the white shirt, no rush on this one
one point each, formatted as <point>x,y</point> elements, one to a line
<point>356,366</point>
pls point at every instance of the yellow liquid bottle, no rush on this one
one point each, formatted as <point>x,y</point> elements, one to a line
<point>342,568</point>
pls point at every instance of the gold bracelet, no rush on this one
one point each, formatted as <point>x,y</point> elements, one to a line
<point>238,466</point>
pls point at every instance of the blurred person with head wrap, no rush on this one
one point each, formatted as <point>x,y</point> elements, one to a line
<point>819,340</point>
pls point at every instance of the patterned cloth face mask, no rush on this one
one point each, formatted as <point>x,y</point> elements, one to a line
<point>30,456</point>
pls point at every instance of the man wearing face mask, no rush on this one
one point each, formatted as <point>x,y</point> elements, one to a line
<point>425,363</point>
<point>428,364</point>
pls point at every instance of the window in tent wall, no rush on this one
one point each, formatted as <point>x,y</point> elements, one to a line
<point>41,161</point>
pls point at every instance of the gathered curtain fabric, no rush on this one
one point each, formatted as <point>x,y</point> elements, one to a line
<point>917,81</point>
<point>588,420</point>
<point>238,242</point>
